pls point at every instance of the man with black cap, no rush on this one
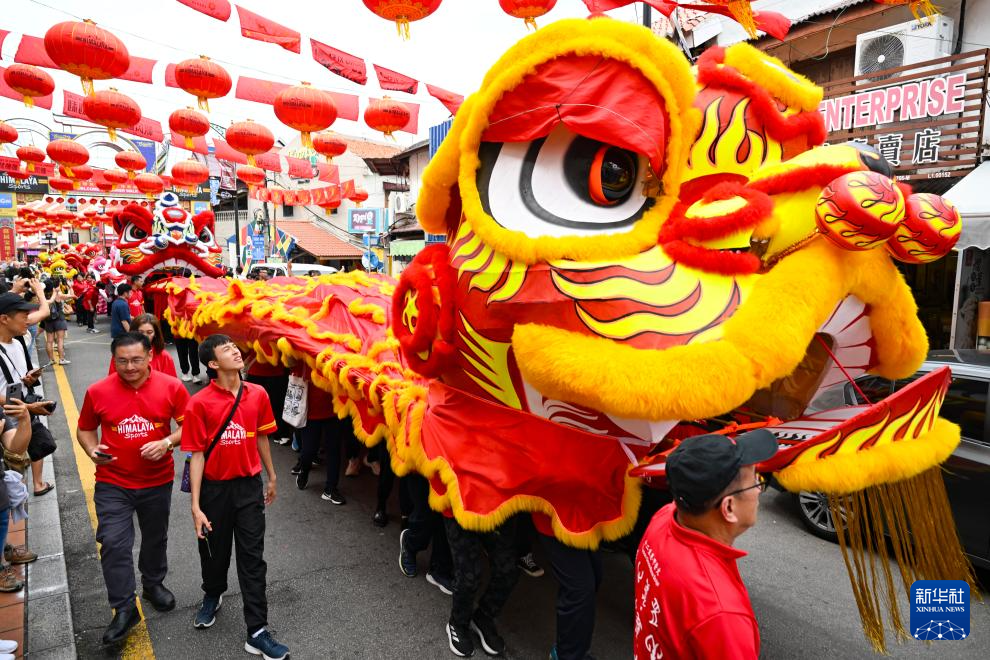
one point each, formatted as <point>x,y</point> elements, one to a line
<point>690,600</point>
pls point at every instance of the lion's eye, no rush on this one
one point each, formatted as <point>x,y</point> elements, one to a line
<point>134,233</point>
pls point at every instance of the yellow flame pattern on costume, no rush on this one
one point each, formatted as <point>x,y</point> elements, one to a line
<point>491,360</point>
<point>717,150</point>
<point>485,266</point>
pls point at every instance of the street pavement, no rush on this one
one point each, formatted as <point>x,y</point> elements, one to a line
<point>335,590</point>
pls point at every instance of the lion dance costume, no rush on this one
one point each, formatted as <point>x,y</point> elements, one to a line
<point>636,250</point>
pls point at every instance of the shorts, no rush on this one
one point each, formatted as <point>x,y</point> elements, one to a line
<point>54,326</point>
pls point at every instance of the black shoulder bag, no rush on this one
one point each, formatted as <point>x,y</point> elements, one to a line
<point>186,485</point>
<point>42,441</point>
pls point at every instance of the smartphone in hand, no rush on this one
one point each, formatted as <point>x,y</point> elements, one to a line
<point>102,454</point>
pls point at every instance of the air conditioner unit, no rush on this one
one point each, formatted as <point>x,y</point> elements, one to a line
<point>903,44</point>
<point>399,202</point>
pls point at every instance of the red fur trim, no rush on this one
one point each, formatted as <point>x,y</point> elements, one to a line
<point>139,215</point>
<point>431,277</point>
<point>711,261</point>
<point>203,219</point>
<point>691,191</point>
<point>802,179</point>
<point>781,127</point>
<point>758,207</point>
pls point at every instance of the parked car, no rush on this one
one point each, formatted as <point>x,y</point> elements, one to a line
<point>303,270</point>
<point>275,270</point>
<point>966,472</point>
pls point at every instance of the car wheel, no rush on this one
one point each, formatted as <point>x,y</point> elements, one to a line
<point>815,514</point>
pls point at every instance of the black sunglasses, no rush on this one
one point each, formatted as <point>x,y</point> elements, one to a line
<point>761,484</point>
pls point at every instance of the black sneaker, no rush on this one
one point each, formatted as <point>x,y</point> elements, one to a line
<point>380,519</point>
<point>407,559</point>
<point>297,468</point>
<point>529,566</point>
<point>207,614</point>
<point>264,644</point>
<point>302,478</point>
<point>460,640</point>
<point>442,582</point>
<point>491,641</point>
<point>333,496</point>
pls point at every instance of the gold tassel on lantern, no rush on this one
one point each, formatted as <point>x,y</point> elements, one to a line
<point>112,132</point>
<point>914,515</point>
<point>743,13</point>
<point>306,139</point>
<point>188,141</point>
<point>924,8</point>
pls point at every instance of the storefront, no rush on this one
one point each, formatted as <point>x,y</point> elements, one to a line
<point>972,276</point>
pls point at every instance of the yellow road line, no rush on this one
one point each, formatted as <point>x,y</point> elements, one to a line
<point>138,644</point>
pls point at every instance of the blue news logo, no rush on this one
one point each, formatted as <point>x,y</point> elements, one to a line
<point>939,609</point>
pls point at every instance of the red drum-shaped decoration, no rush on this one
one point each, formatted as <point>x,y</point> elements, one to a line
<point>424,311</point>
<point>528,10</point>
<point>7,133</point>
<point>859,210</point>
<point>67,153</point>
<point>253,176</point>
<point>189,124</point>
<point>250,139</point>
<point>930,229</point>
<point>329,145</point>
<point>150,184</point>
<point>115,177</point>
<point>77,173</point>
<point>359,195</point>
<point>61,184</point>
<point>19,175</point>
<point>305,109</point>
<point>28,81</point>
<point>86,225</point>
<point>103,185</point>
<point>87,51</point>
<point>403,12</point>
<point>386,115</point>
<point>31,155</point>
<point>130,160</point>
<point>190,173</point>
<point>204,79</point>
<point>112,109</point>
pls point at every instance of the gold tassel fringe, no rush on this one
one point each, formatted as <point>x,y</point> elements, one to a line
<point>911,520</point>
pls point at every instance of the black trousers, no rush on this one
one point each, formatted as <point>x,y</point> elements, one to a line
<point>236,509</point>
<point>425,525</point>
<point>115,509</point>
<point>466,549</point>
<point>188,350</point>
<point>579,573</point>
<point>327,432</point>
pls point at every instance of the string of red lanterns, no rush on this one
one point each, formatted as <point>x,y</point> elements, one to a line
<point>87,51</point>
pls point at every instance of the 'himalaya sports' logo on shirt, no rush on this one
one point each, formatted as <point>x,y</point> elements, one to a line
<point>234,435</point>
<point>134,427</point>
<point>939,610</point>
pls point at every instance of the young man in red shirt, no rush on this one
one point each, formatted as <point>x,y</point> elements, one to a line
<point>133,410</point>
<point>228,495</point>
<point>690,600</point>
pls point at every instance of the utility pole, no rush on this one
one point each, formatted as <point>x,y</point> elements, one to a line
<point>647,16</point>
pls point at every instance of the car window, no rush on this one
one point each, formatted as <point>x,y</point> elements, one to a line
<point>875,388</point>
<point>966,405</point>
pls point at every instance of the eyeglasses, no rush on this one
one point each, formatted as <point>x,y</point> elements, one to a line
<point>761,484</point>
<point>137,362</point>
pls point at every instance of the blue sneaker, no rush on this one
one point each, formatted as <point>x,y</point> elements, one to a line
<point>207,614</point>
<point>407,559</point>
<point>265,645</point>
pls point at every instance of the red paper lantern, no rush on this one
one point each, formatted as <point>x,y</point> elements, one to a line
<point>76,174</point>
<point>7,133</point>
<point>112,109</point>
<point>359,195</point>
<point>528,10</point>
<point>190,173</point>
<point>87,51</point>
<point>305,109</point>
<point>204,79</point>
<point>31,155</point>
<point>130,160</point>
<point>18,175</point>
<point>115,177</point>
<point>61,184</point>
<point>85,225</point>
<point>189,124</point>
<point>329,145</point>
<point>67,153</point>
<point>28,81</point>
<point>250,139</point>
<point>403,12</point>
<point>150,184</point>
<point>253,176</point>
<point>386,115</point>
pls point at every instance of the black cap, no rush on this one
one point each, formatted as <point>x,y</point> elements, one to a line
<point>703,466</point>
<point>11,302</point>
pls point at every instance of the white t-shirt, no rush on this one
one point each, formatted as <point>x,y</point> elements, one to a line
<point>13,358</point>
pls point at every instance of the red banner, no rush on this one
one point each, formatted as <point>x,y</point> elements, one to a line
<point>223,151</point>
<point>450,100</point>
<point>277,195</point>
<point>9,164</point>
<point>170,76</point>
<point>3,35</point>
<point>147,128</point>
<point>32,51</point>
<point>269,161</point>
<point>7,248</point>
<point>218,9</point>
<point>264,91</point>
<point>337,61</point>
<point>5,90</point>
<point>347,106</point>
<point>139,70</point>
<point>260,28</point>
<point>299,168</point>
<point>199,143</point>
<point>412,125</point>
<point>329,173</point>
<point>395,81</point>
<point>347,188</point>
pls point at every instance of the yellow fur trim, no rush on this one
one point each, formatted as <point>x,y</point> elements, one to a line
<point>657,60</point>
<point>847,473</point>
<point>440,175</point>
<point>795,90</point>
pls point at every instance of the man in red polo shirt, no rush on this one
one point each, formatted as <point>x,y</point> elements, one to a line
<point>133,410</point>
<point>226,429</point>
<point>690,600</point>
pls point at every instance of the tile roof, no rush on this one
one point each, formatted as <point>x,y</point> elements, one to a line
<point>368,149</point>
<point>688,18</point>
<point>319,242</point>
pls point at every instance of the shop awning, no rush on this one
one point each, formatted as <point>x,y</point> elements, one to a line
<point>409,248</point>
<point>971,198</point>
